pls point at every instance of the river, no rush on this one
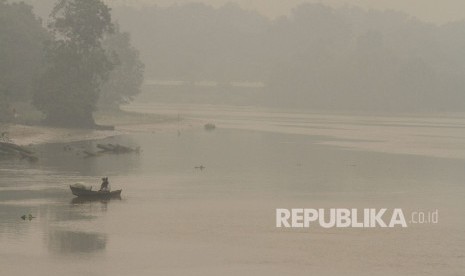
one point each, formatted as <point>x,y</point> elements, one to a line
<point>175,219</point>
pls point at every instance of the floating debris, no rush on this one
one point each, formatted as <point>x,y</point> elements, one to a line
<point>91,154</point>
<point>117,148</point>
<point>209,126</point>
<point>30,217</point>
<point>111,148</point>
<point>201,167</point>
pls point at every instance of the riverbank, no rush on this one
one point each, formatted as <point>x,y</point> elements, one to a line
<point>124,122</point>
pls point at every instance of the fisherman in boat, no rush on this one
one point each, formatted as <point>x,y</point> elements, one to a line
<point>105,187</point>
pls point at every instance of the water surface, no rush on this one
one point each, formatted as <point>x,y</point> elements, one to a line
<point>174,219</point>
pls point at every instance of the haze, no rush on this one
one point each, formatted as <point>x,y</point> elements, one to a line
<point>159,137</point>
<point>427,10</point>
<point>328,56</point>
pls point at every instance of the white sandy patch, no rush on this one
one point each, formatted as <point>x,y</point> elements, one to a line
<point>26,135</point>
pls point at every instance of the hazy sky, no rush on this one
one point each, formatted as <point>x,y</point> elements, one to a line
<point>438,11</point>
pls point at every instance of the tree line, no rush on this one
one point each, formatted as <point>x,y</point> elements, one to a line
<point>68,68</point>
<point>317,57</point>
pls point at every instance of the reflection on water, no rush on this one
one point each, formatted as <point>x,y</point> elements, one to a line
<point>71,242</point>
<point>174,219</point>
<point>83,200</point>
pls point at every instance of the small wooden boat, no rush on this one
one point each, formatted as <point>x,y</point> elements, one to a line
<point>94,194</point>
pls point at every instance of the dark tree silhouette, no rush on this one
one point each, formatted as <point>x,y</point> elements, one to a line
<point>77,64</point>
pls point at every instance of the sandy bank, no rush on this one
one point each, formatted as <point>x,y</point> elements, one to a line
<point>26,135</point>
<point>125,123</point>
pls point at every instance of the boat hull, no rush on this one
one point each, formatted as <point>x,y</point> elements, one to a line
<point>94,194</point>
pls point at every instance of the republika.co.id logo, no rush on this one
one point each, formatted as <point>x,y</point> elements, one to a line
<point>354,218</point>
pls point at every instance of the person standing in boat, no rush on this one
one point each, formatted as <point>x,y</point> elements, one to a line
<point>105,187</point>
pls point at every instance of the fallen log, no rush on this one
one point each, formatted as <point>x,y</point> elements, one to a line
<point>29,157</point>
<point>7,148</point>
<point>90,154</point>
<point>116,148</point>
<point>6,145</point>
<point>105,147</point>
<point>122,149</point>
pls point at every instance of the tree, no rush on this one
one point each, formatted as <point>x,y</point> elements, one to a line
<point>126,78</point>
<point>77,64</point>
<point>21,40</point>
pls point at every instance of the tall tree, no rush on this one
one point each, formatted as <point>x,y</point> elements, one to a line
<point>125,80</point>
<point>21,42</point>
<point>77,64</point>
